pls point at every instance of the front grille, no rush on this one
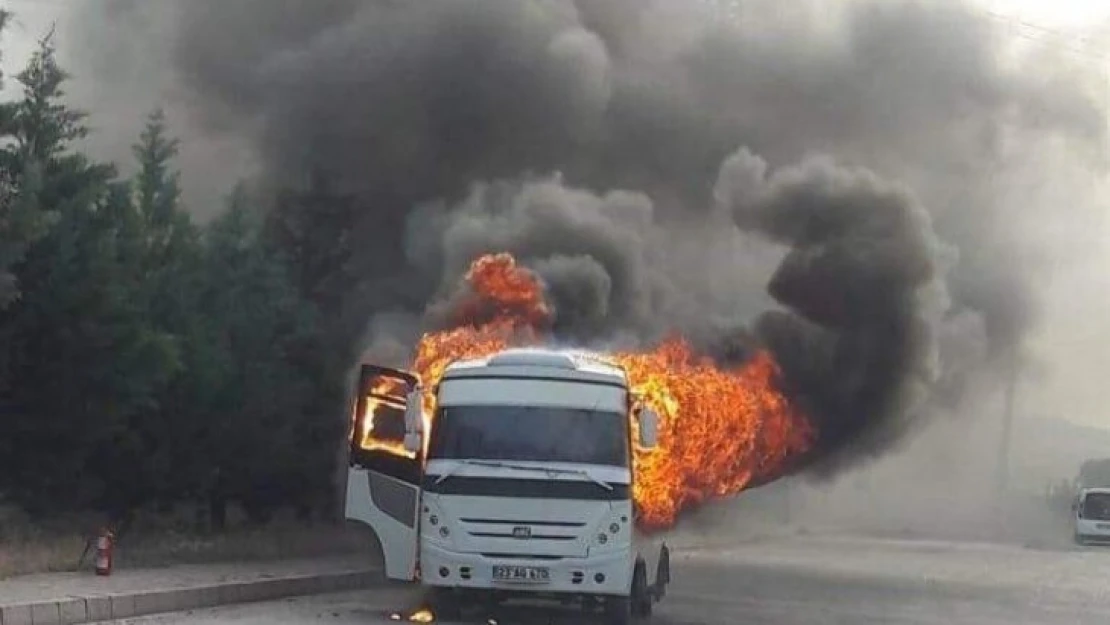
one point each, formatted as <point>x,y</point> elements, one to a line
<point>555,531</point>
<point>525,488</point>
<point>532,537</point>
<point>515,522</point>
<point>520,556</point>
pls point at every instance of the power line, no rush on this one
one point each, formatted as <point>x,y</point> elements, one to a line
<point>1095,49</point>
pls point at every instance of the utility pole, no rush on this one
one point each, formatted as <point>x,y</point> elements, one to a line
<point>1005,442</point>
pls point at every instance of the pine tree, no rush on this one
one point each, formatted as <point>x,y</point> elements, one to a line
<point>83,364</point>
<point>256,433</point>
<point>156,186</point>
<point>21,221</point>
<point>147,360</point>
<point>172,263</point>
<point>310,231</point>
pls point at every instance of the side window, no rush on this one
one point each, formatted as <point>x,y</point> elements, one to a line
<point>378,424</point>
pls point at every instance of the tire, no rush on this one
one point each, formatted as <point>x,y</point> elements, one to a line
<point>618,610</point>
<point>663,572</point>
<point>641,593</point>
<point>445,605</point>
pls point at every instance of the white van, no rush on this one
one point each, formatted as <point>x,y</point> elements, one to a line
<point>522,488</point>
<point>1092,516</point>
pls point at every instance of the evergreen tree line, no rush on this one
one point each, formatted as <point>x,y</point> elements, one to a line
<point>147,359</point>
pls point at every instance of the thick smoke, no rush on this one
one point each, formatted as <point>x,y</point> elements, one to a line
<point>861,279</point>
<point>776,180</point>
<point>865,279</point>
<point>593,252</point>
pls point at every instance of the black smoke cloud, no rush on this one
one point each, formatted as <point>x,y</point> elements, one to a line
<point>690,192</point>
<point>593,252</point>
<point>860,280</point>
<point>865,279</point>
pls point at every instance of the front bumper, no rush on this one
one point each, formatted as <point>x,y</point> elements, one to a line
<point>475,571</point>
<point>1093,531</point>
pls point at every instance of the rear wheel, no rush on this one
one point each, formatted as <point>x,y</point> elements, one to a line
<point>641,593</point>
<point>662,572</point>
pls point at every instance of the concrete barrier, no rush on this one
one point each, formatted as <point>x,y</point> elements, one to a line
<point>104,607</point>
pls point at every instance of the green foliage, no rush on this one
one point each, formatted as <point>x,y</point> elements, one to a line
<point>21,220</point>
<point>263,401</point>
<point>143,359</point>
<point>310,230</point>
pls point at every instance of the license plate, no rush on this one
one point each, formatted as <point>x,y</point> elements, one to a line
<point>1102,526</point>
<point>521,574</point>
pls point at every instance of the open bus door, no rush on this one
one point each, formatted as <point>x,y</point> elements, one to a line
<point>383,483</point>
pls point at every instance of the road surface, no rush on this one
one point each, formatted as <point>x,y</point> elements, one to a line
<point>791,581</point>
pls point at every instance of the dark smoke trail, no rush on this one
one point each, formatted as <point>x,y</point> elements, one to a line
<point>865,277</point>
<point>442,117</point>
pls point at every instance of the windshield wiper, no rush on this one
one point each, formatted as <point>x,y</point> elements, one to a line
<point>589,476</point>
<point>550,471</point>
<point>489,464</point>
<point>459,464</point>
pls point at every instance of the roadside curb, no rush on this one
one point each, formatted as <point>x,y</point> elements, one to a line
<point>104,607</point>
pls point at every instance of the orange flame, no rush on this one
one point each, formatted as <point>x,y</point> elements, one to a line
<point>423,615</point>
<point>721,430</point>
<point>382,398</point>
<point>500,284</point>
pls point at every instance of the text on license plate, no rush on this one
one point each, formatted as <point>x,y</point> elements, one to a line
<point>1102,526</point>
<point>526,574</point>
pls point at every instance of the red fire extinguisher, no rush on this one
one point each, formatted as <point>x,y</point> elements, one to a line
<point>104,545</point>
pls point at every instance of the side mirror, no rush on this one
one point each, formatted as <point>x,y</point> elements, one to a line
<point>649,428</point>
<point>412,442</point>
<point>414,411</point>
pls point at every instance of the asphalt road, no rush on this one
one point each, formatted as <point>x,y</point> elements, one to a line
<point>792,581</point>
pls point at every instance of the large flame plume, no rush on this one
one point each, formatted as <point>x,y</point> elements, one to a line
<point>721,431</point>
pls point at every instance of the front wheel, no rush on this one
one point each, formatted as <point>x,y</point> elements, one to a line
<point>445,604</point>
<point>618,610</point>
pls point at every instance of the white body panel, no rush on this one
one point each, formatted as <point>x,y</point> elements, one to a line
<point>563,534</point>
<point>1089,529</point>
<point>1093,530</point>
<point>574,522</point>
<point>565,576</point>
<point>398,536</point>
<point>562,394</point>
